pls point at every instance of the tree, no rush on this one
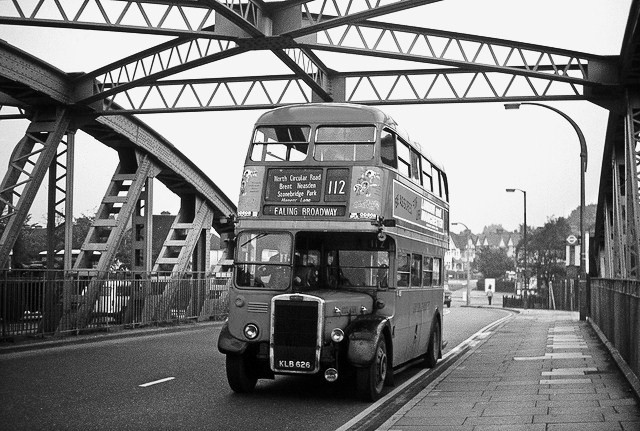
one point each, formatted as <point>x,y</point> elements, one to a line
<point>81,226</point>
<point>31,240</point>
<point>546,250</point>
<point>589,219</point>
<point>493,262</point>
<point>492,228</point>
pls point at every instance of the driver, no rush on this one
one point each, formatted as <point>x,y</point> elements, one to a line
<point>272,275</point>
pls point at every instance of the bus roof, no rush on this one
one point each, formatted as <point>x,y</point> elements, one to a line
<point>336,113</point>
<point>325,113</point>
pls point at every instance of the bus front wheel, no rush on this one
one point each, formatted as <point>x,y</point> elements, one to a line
<point>240,373</point>
<point>370,380</point>
<point>433,352</point>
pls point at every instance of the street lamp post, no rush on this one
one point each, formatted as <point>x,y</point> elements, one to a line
<point>582,276</point>
<point>468,253</point>
<point>526,277</point>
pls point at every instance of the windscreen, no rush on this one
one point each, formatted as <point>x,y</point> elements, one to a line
<point>344,143</point>
<point>263,260</point>
<point>280,143</point>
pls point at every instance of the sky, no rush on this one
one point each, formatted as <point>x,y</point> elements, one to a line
<point>483,147</point>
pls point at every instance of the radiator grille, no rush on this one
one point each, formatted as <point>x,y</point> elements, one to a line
<point>295,335</point>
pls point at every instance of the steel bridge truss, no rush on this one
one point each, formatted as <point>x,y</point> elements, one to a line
<point>462,67</point>
<point>420,66</point>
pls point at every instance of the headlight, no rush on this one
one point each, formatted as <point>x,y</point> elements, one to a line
<point>251,331</point>
<point>337,335</point>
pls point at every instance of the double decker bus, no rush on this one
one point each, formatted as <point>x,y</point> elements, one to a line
<point>338,264</point>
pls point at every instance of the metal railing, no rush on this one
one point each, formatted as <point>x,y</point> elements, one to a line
<point>41,302</point>
<point>615,309</point>
<point>561,295</point>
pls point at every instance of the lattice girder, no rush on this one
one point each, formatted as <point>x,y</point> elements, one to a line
<point>459,50</point>
<point>288,29</point>
<point>105,234</point>
<point>27,169</point>
<point>372,88</point>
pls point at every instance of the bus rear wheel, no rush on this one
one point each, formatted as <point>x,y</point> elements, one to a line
<point>241,375</point>
<point>433,352</point>
<point>370,380</point>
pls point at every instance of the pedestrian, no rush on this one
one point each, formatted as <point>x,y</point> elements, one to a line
<point>489,295</point>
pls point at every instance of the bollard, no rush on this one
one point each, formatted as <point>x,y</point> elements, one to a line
<point>582,289</point>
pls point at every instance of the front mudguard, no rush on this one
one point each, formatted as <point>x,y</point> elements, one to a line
<point>228,344</point>
<point>363,335</point>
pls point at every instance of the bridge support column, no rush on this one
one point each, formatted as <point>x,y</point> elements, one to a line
<point>28,165</point>
<point>106,232</point>
<point>186,248</point>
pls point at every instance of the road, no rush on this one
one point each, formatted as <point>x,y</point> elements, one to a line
<point>98,386</point>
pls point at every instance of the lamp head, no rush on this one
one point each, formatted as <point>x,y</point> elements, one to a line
<point>511,106</point>
<point>510,190</point>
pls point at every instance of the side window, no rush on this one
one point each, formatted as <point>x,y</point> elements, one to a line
<point>415,167</point>
<point>437,183</point>
<point>404,159</point>
<point>403,269</point>
<point>427,277</point>
<point>437,271</point>
<point>416,270</point>
<point>388,149</point>
<point>444,186</point>
<point>427,175</point>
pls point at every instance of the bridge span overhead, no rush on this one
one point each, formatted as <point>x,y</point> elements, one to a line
<point>395,63</point>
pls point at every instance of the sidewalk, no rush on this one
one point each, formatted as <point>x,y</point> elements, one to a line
<point>540,370</point>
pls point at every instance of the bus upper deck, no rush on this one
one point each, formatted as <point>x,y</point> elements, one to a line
<point>340,163</point>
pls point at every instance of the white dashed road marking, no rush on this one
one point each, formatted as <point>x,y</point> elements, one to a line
<point>144,385</point>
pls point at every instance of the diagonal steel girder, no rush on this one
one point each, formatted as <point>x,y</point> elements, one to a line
<point>188,52</point>
<point>250,17</point>
<point>246,16</point>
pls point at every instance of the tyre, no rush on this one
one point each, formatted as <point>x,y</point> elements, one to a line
<point>241,374</point>
<point>370,380</point>
<point>433,352</point>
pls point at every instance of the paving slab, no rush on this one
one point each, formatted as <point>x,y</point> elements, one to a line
<point>540,370</point>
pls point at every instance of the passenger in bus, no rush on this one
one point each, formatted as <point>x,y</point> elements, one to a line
<point>338,279</point>
<point>306,275</point>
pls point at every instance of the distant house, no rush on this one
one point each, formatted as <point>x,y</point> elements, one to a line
<point>461,253</point>
<point>463,245</point>
<point>499,239</point>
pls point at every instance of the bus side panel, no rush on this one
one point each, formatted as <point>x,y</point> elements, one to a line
<point>405,330</point>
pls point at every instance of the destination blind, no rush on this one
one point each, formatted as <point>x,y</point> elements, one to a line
<point>305,210</point>
<point>293,185</point>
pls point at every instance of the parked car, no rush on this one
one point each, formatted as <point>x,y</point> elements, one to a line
<point>447,296</point>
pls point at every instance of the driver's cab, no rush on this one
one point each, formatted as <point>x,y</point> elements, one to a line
<point>312,260</point>
<point>340,260</point>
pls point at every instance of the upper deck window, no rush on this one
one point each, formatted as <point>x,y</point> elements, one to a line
<point>280,143</point>
<point>345,143</point>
